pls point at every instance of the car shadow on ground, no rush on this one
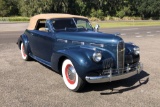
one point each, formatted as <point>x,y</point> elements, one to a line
<point>123,85</point>
<point>111,87</point>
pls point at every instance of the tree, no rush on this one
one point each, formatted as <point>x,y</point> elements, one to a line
<point>93,8</point>
<point>4,10</point>
<point>149,9</point>
<point>33,7</point>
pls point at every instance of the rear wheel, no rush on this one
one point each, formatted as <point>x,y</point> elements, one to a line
<point>23,53</point>
<point>70,76</point>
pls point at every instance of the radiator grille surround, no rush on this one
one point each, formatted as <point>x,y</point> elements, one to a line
<point>120,55</point>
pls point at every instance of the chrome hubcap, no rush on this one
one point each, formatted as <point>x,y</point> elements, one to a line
<point>71,73</point>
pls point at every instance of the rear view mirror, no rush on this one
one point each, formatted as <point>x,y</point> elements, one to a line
<point>97,28</point>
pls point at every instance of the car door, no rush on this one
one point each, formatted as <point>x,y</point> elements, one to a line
<point>41,43</point>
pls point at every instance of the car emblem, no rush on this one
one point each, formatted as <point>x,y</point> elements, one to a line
<point>122,50</point>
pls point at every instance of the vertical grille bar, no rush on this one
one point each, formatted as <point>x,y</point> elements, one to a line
<point>120,55</point>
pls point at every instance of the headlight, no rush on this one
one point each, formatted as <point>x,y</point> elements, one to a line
<point>136,51</point>
<point>97,56</point>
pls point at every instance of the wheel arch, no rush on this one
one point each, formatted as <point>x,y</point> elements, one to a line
<point>19,42</point>
<point>60,62</point>
<point>23,38</point>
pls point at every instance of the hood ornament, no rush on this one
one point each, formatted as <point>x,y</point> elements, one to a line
<point>122,50</point>
<point>117,34</point>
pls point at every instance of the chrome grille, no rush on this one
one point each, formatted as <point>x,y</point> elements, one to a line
<point>120,55</point>
<point>107,63</point>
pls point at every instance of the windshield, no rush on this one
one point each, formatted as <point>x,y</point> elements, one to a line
<point>71,24</point>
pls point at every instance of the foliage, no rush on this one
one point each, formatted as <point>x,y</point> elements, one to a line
<point>101,9</point>
<point>149,9</point>
<point>32,7</point>
<point>15,18</point>
<point>8,8</point>
<point>3,8</point>
<point>99,14</point>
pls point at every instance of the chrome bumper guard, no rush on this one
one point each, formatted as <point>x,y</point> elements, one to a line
<point>110,77</point>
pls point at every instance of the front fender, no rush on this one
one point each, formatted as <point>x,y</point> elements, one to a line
<point>81,59</point>
<point>130,52</point>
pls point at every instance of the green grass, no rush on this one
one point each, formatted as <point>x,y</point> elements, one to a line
<point>14,19</point>
<point>103,24</point>
<point>112,24</point>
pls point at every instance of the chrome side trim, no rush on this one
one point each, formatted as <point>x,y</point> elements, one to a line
<point>98,45</point>
<point>78,43</point>
<point>62,40</point>
<point>110,77</point>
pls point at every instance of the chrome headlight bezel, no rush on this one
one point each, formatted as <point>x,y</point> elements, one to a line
<point>136,50</point>
<point>97,56</point>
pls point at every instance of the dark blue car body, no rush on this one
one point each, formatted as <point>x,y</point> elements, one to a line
<point>51,47</point>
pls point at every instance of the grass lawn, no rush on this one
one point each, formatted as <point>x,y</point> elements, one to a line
<point>14,19</point>
<point>103,24</point>
<point>112,24</point>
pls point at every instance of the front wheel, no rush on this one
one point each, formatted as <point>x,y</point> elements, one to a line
<point>70,76</point>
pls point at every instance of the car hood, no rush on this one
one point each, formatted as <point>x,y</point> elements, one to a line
<point>89,37</point>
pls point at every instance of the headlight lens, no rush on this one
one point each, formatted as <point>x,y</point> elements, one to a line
<point>136,51</point>
<point>97,56</point>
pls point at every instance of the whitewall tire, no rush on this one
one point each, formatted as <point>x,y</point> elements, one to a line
<point>70,76</point>
<point>23,53</point>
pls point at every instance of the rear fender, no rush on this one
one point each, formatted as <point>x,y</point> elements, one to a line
<point>23,38</point>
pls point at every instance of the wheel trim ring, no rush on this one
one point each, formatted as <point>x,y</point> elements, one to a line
<point>23,51</point>
<point>67,76</point>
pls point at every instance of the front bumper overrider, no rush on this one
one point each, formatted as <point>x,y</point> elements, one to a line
<point>113,77</point>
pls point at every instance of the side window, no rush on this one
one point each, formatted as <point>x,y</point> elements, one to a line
<point>41,25</point>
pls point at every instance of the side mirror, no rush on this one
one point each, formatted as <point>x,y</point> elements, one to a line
<point>97,28</point>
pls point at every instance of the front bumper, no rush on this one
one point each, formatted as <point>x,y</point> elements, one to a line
<point>114,77</point>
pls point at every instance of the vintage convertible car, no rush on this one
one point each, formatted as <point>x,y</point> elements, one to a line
<point>70,46</point>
